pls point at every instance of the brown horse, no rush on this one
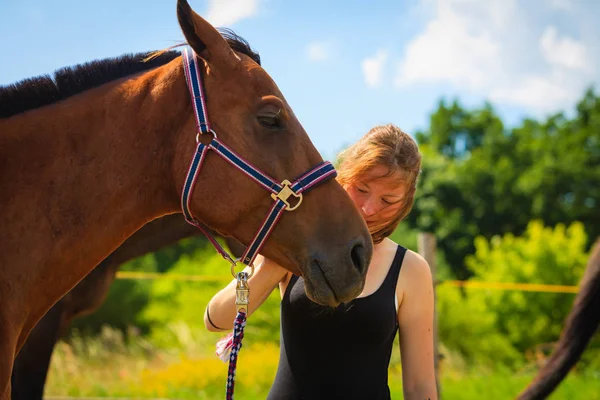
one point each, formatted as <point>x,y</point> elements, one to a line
<point>32,362</point>
<point>89,157</point>
<point>582,322</point>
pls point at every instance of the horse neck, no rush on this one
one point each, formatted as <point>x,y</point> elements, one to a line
<point>152,237</point>
<point>83,174</point>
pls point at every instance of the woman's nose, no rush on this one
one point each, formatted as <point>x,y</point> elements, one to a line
<point>369,208</point>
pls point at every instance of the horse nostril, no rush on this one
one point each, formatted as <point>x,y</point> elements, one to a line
<point>358,257</point>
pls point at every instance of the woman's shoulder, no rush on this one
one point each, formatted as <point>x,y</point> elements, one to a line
<point>415,260</point>
<point>415,272</point>
<point>415,282</point>
<point>414,266</point>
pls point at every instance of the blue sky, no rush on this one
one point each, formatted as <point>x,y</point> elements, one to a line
<point>345,66</point>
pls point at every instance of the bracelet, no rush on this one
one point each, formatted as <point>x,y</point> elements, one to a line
<point>209,320</point>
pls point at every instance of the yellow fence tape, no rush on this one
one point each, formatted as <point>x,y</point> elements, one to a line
<point>525,287</point>
<point>173,277</point>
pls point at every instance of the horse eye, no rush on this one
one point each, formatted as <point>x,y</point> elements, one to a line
<point>269,121</point>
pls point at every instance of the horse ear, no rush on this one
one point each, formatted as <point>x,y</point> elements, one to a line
<point>206,41</point>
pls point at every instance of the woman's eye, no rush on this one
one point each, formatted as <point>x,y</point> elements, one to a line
<point>361,190</point>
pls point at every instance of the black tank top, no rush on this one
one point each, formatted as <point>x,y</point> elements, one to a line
<point>340,353</point>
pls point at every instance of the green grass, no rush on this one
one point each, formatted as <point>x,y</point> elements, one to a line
<point>504,385</point>
<point>107,367</point>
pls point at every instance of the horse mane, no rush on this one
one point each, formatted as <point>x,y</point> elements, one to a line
<point>44,90</point>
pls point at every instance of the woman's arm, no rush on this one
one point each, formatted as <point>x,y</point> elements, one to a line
<point>415,319</point>
<point>221,309</point>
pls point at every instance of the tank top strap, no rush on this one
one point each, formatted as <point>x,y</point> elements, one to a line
<point>391,278</point>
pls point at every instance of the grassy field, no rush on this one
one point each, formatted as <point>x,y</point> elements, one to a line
<point>107,367</point>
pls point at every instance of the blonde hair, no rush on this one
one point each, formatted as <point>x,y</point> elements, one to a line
<point>388,146</point>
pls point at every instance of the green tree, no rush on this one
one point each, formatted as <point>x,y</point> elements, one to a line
<point>455,132</point>
<point>479,178</point>
<point>542,255</point>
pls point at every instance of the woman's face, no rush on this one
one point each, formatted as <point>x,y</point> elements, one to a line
<point>379,198</point>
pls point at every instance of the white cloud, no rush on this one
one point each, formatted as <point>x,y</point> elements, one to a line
<point>448,52</point>
<point>536,92</point>
<point>498,50</point>
<point>319,51</point>
<point>564,52</point>
<point>372,68</point>
<point>227,12</point>
<point>567,60</point>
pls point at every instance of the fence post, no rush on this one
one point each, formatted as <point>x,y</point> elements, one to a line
<point>426,247</point>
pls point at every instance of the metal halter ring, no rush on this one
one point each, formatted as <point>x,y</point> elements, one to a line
<point>211,131</point>
<point>235,263</point>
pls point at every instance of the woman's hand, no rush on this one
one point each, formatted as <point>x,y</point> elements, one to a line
<point>221,309</point>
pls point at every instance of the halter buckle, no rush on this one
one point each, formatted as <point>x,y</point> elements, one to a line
<point>285,193</point>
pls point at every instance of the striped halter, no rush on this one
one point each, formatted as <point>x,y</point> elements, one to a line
<point>280,192</point>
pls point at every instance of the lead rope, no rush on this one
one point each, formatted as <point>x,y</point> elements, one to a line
<point>233,342</point>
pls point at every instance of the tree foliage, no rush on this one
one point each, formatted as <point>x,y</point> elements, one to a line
<point>480,178</point>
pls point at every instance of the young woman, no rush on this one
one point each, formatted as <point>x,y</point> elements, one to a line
<point>344,353</point>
